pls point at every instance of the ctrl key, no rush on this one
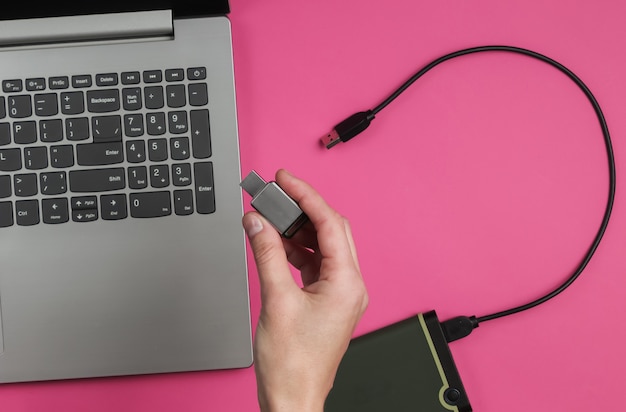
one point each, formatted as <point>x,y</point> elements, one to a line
<point>27,212</point>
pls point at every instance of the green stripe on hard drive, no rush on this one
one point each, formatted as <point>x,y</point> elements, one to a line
<point>442,374</point>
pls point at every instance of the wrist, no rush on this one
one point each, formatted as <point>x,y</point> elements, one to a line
<point>280,401</point>
<point>277,404</point>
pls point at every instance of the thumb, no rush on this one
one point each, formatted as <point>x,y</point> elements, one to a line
<point>269,254</point>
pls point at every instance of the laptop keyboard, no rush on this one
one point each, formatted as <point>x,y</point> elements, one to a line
<point>108,146</point>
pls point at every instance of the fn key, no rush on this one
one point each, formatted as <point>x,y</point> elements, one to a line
<point>205,194</point>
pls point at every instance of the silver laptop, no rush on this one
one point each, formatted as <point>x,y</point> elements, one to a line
<point>121,247</point>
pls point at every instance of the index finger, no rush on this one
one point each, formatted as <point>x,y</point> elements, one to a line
<point>331,233</point>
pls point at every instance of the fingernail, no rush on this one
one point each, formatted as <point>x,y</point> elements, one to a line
<point>252,225</point>
<point>287,172</point>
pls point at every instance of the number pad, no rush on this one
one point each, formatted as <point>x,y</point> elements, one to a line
<point>177,122</point>
<point>133,125</point>
<point>181,174</point>
<point>138,177</point>
<point>155,123</point>
<point>159,176</point>
<point>157,149</point>
<point>179,148</point>
<point>135,151</point>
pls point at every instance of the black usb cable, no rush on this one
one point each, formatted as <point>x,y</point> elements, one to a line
<point>459,327</point>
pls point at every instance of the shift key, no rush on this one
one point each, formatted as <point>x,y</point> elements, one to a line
<point>97,180</point>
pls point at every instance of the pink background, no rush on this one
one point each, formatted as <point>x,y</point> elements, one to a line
<point>478,189</point>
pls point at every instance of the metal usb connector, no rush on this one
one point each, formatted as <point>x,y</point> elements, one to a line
<point>274,204</point>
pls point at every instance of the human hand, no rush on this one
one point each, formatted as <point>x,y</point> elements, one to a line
<point>303,333</point>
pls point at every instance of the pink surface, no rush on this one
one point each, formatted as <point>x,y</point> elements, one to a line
<point>480,188</point>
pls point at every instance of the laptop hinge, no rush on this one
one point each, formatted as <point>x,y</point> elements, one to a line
<point>94,27</point>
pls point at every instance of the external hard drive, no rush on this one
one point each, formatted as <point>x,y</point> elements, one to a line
<point>406,366</point>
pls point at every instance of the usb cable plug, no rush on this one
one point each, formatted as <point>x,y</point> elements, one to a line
<point>348,128</point>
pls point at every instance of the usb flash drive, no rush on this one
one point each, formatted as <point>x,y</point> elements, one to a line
<point>274,204</point>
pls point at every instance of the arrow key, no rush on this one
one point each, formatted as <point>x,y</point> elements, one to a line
<point>87,215</point>
<point>84,202</point>
<point>113,207</point>
<point>55,210</point>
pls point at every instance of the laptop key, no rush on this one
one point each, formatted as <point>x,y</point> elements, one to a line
<point>157,150</point>
<point>72,103</point>
<point>83,80</point>
<point>27,212</point>
<point>6,214</point>
<point>159,176</point>
<point>77,128</point>
<point>46,104</point>
<point>84,208</point>
<point>12,86</point>
<point>200,134</point>
<point>183,202</point>
<point>99,154</point>
<point>181,174</point>
<point>175,95</point>
<point>25,132</point>
<point>113,207</point>
<point>196,73</point>
<point>107,79</point>
<point>106,129</point>
<point>84,202</point>
<point>36,158</point>
<point>53,183</point>
<point>55,210</point>
<point>133,125</point>
<point>137,177</point>
<point>174,75</point>
<point>19,106</point>
<point>205,194</point>
<point>198,95</point>
<point>150,204</point>
<point>5,186</point>
<point>177,122</point>
<point>59,82</point>
<point>155,123</point>
<point>131,98</point>
<point>62,156</point>
<point>10,160</point>
<point>152,76</point>
<point>25,184</point>
<point>51,130</point>
<point>36,84</point>
<point>179,148</point>
<point>131,78</point>
<point>103,101</point>
<point>135,151</point>
<point>153,97</point>
<point>97,180</point>
<point>86,215</point>
<point>5,134</point>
